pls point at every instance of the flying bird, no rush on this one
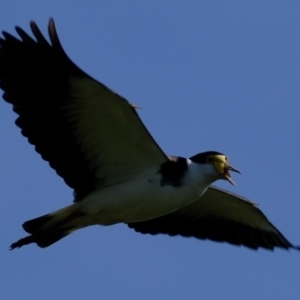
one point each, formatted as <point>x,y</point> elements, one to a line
<point>94,139</point>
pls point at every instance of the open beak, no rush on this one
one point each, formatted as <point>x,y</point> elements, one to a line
<point>226,173</point>
<point>224,169</point>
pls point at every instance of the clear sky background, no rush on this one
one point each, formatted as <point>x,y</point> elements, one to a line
<point>209,75</point>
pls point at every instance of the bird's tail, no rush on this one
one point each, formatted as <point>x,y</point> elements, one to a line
<point>50,228</point>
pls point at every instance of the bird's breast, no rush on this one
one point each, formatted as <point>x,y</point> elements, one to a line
<point>138,200</point>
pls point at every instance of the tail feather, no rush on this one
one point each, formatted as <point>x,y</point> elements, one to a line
<point>35,224</point>
<point>50,228</point>
<point>52,220</point>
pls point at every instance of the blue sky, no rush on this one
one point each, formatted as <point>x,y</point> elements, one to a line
<point>209,75</point>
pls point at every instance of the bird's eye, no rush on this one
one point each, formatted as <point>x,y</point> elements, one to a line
<point>210,159</point>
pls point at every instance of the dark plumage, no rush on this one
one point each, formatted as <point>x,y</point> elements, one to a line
<point>49,68</point>
<point>173,171</point>
<point>201,158</point>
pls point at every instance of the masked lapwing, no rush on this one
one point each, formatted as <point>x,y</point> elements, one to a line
<point>94,139</point>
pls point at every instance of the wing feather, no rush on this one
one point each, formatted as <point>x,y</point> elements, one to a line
<point>220,216</point>
<point>90,135</point>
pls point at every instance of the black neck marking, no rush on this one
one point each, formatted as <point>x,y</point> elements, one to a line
<point>173,171</point>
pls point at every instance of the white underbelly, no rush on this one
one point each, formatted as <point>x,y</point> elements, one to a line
<point>137,201</point>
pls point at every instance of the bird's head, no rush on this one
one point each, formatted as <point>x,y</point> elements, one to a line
<point>217,164</point>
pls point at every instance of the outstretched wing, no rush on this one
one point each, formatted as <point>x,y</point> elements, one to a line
<point>90,135</point>
<point>220,216</point>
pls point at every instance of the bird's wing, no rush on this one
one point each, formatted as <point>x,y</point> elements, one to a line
<point>90,135</point>
<point>220,216</point>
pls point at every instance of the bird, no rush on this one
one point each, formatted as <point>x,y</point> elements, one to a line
<point>96,142</point>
